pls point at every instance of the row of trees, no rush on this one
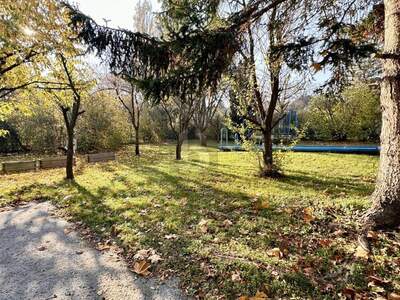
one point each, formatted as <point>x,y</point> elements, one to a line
<point>105,125</point>
<point>202,41</point>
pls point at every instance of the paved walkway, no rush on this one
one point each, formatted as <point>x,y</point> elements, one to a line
<point>40,259</point>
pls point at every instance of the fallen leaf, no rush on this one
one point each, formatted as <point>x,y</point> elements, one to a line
<point>227,223</point>
<point>361,252</point>
<point>338,232</point>
<point>203,226</point>
<point>259,296</point>
<point>155,258</point>
<point>103,247</point>
<point>308,215</point>
<point>261,204</point>
<point>264,204</point>
<point>325,242</point>
<point>377,280</point>
<point>275,252</point>
<point>393,296</point>
<point>288,211</point>
<point>308,271</point>
<point>349,292</point>
<point>142,254</point>
<point>171,236</point>
<point>372,235</point>
<point>236,276</point>
<point>317,67</point>
<point>68,230</point>
<point>142,268</point>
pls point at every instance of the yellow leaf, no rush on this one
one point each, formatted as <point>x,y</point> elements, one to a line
<point>361,252</point>
<point>372,235</point>
<point>259,296</point>
<point>261,204</point>
<point>276,252</point>
<point>393,296</point>
<point>142,268</point>
<point>308,215</point>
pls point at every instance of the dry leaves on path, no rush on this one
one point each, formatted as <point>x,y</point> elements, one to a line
<point>142,268</point>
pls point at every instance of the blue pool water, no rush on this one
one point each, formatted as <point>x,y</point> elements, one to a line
<point>373,150</point>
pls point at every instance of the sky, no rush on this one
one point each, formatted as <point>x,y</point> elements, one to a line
<point>119,12</point>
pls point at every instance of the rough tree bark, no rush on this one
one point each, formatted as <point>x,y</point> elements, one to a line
<point>385,210</point>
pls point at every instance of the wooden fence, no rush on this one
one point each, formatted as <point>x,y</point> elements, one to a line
<point>50,163</point>
<point>100,157</point>
<point>54,162</point>
<point>19,166</point>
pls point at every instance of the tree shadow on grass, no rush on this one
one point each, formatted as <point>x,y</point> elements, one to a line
<point>332,186</point>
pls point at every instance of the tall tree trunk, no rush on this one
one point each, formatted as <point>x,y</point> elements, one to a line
<point>268,168</point>
<point>203,138</point>
<point>70,155</point>
<point>179,142</point>
<point>137,143</point>
<point>178,152</point>
<point>385,210</point>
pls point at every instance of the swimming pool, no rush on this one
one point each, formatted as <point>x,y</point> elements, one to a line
<point>372,150</point>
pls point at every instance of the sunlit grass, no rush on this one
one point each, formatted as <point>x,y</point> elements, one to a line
<point>145,199</point>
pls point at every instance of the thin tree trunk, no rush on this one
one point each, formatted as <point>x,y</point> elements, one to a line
<point>137,143</point>
<point>385,210</point>
<point>203,138</point>
<point>70,155</point>
<point>178,153</point>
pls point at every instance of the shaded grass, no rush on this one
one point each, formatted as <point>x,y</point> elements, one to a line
<point>140,201</point>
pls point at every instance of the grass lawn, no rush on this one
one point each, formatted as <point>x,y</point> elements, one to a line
<point>223,230</point>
